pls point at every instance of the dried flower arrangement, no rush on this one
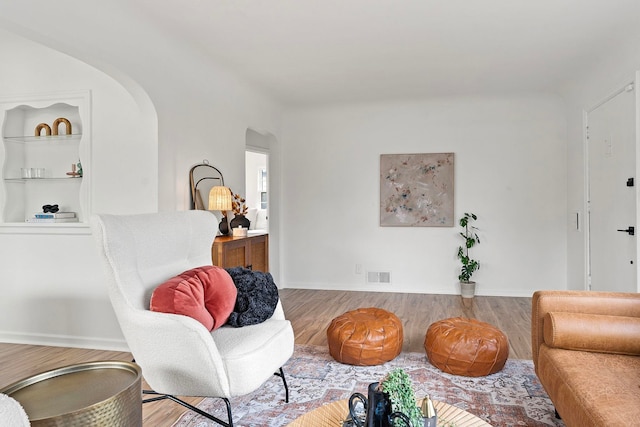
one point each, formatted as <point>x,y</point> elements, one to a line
<point>238,205</point>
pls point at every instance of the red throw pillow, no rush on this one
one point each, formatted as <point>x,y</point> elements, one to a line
<point>206,294</point>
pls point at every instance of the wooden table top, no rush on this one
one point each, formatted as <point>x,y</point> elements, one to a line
<point>334,414</point>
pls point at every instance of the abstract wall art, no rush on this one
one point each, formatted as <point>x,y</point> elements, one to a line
<point>416,190</point>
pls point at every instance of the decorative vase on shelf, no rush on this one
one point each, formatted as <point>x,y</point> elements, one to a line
<point>224,226</point>
<point>240,220</point>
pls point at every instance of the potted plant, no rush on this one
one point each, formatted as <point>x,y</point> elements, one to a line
<point>398,386</point>
<point>392,401</point>
<point>469,265</point>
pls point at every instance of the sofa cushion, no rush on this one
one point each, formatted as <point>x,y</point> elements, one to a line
<point>591,389</point>
<point>592,332</point>
<point>206,294</point>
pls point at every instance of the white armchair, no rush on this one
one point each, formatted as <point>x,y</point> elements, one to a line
<point>178,355</point>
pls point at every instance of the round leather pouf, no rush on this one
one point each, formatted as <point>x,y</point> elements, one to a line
<point>466,347</point>
<point>365,337</point>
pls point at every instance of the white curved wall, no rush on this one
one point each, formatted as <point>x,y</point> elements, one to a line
<point>140,162</point>
<point>52,285</point>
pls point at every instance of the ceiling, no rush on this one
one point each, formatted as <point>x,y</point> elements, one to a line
<point>305,52</point>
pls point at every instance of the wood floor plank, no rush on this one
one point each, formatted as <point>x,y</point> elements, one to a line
<point>310,312</point>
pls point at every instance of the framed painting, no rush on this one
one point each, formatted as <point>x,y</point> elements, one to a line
<point>416,190</point>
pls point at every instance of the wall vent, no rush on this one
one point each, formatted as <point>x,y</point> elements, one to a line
<point>379,277</point>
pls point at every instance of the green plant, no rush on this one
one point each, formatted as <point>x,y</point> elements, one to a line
<point>397,384</point>
<point>470,236</point>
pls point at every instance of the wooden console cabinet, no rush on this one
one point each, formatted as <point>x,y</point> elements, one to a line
<point>249,252</point>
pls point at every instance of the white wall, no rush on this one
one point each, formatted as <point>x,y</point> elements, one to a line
<point>52,285</point>
<point>607,75</point>
<point>141,164</point>
<point>510,160</point>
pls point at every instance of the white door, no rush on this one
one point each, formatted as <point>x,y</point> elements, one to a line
<point>612,193</point>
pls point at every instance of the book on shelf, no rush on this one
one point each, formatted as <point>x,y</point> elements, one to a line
<point>51,220</point>
<point>54,215</point>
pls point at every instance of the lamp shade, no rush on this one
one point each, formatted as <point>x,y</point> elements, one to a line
<point>220,199</point>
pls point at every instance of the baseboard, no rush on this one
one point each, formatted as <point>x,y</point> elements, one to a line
<point>64,341</point>
<point>405,289</point>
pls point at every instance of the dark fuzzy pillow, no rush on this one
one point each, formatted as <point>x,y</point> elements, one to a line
<point>257,297</point>
<point>206,294</point>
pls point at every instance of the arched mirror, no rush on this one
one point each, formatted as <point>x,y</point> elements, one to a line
<point>202,178</point>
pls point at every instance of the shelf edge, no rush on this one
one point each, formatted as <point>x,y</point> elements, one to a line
<point>45,228</point>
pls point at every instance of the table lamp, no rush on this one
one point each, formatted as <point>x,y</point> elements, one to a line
<point>220,200</point>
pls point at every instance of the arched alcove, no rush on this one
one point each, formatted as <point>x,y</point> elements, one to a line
<point>52,303</point>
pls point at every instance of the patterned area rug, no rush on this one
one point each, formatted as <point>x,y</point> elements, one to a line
<point>512,397</point>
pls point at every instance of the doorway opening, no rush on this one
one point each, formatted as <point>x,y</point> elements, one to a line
<point>257,188</point>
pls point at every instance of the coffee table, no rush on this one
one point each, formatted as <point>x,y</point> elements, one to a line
<point>333,414</point>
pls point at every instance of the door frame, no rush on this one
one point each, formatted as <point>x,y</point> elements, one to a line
<point>258,140</point>
<point>265,152</point>
<point>586,209</point>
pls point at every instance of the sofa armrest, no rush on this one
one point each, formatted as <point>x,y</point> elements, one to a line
<point>587,302</point>
<point>593,332</point>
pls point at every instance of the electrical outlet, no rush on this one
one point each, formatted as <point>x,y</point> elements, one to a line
<point>358,268</point>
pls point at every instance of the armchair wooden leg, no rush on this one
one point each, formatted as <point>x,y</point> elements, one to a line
<point>284,381</point>
<point>160,396</point>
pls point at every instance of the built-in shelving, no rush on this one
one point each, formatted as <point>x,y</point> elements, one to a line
<point>54,156</point>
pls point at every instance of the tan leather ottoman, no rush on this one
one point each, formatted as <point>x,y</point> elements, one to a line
<point>466,347</point>
<point>365,337</point>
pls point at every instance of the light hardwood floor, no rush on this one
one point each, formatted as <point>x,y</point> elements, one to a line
<point>310,313</point>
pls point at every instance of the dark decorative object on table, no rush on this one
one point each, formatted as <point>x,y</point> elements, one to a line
<point>390,399</point>
<point>240,209</point>
<point>223,226</point>
<point>257,296</point>
<point>50,208</point>
<point>379,411</point>
<point>240,220</point>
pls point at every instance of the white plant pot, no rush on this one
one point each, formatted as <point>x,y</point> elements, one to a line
<point>467,289</point>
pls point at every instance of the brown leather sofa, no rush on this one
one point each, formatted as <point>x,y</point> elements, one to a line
<point>586,352</point>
